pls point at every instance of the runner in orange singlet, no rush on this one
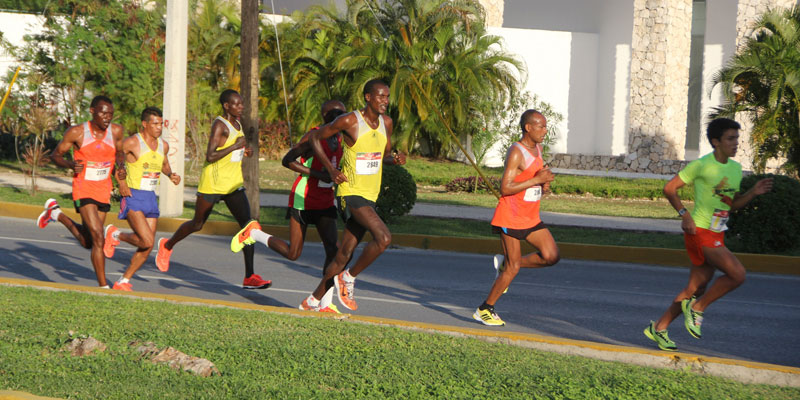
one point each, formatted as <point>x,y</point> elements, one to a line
<point>97,145</point>
<point>516,217</point>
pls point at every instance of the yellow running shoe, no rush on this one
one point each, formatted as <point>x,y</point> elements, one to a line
<point>243,236</point>
<point>488,317</point>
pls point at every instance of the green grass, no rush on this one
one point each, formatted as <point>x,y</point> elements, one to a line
<point>266,355</point>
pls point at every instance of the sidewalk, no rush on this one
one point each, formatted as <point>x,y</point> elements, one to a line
<point>62,184</point>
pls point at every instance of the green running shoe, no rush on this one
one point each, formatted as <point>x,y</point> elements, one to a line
<point>660,337</point>
<point>691,318</point>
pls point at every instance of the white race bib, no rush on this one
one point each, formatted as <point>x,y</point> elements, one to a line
<point>719,221</point>
<point>368,163</point>
<point>236,155</point>
<point>97,170</point>
<point>149,181</point>
<point>533,193</point>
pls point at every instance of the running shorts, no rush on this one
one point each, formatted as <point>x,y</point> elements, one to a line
<point>519,234</point>
<point>310,217</point>
<point>102,207</point>
<point>139,200</point>
<point>215,198</point>
<point>703,238</point>
<point>348,203</point>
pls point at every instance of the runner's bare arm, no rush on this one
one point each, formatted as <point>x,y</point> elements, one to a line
<point>219,134</point>
<point>671,193</point>
<point>303,149</point>
<point>346,123</point>
<point>166,169</point>
<point>388,158</point>
<point>513,165</point>
<point>72,138</point>
<point>761,187</point>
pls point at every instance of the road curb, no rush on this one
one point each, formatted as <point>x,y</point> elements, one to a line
<point>638,255</point>
<point>742,371</point>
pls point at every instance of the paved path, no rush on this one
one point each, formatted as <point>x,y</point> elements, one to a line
<point>63,184</point>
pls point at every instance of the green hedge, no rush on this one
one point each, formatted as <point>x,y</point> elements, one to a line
<point>771,222</point>
<point>398,193</point>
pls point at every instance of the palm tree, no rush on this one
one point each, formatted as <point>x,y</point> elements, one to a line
<point>763,81</point>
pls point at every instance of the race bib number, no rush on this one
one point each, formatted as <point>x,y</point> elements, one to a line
<point>368,163</point>
<point>719,221</point>
<point>236,155</point>
<point>97,170</point>
<point>533,193</point>
<point>149,181</point>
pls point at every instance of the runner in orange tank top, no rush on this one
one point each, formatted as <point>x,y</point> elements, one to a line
<point>97,146</point>
<point>516,217</point>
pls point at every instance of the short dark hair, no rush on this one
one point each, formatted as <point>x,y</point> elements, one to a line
<point>525,117</point>
<point>151,112</point>
<point>370,85</point>
<point>97,99</point>
<point>718,126</point>
<point>332,114</point>
<point>226,95</point>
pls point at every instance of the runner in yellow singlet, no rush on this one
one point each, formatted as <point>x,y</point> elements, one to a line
<point>367,146</point>
<point>221,180</point>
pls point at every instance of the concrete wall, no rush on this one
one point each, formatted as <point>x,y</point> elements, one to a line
<point>15,26</point>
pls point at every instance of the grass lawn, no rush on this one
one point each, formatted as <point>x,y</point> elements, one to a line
<point>266,355</point>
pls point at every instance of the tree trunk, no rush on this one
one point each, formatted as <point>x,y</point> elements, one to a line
<point>249,89</point>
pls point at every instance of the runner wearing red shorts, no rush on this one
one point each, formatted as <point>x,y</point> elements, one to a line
<point>516,217</point>
<point>97,144</point>
<point>716,178</point>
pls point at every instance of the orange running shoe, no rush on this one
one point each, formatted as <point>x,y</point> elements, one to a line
<point>125,287</point>
<point>45,217</point>
<point>344,290</point>
<point>162,255</point>
<point>255,282</point>
<point>305,306</point>
<point>110,243</point>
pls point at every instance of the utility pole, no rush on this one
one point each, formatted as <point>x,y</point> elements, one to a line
<point>171,196</point>
<point>249,91</point>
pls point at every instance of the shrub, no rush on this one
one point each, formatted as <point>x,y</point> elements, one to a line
<point>472,184</point>
<point>398,193</point>
<point>771,222</point>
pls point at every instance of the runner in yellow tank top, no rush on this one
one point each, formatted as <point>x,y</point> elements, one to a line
<point>367,145</point>
<point>221,180</point>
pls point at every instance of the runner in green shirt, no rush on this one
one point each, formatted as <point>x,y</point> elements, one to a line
<point>716,179</point>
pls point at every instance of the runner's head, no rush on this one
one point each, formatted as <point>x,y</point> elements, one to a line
<point>723,134</point>
<point>376,95</point>
<point>102,110</point>
<point>534,125</point>
<point>332,109</point>
<point>231,102</point>
<point>152,122</point>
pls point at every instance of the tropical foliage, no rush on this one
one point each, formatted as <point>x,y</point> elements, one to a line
<point>763,82</point>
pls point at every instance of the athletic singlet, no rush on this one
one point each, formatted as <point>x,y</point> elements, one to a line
<point>521,210</point>
<point>715,184</point>
<point>224,175</point>
<point>143,173</point>
<point>309,193</point>
<point>362,164</point>
<point>97,157</point>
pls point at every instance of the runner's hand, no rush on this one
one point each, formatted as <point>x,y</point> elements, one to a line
<point>399,158</point>
<point>124,190</point>
<point>687,224</point>
<point>239,143</point>
<point>121,173</point>
<point>248,151</point>
<point>763,186</point>
<point>546,188</point>
<point>544,175</point>
<point>77,166</point>
<point>175,178</point>
<point>338,177</point>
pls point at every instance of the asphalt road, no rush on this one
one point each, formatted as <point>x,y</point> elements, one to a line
<point>596,301</point>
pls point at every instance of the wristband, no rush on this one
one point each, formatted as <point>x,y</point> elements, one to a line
<point>682,211</point>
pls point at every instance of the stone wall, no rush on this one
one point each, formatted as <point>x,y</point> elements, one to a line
<point>630,163</point>
<point>748,12</point>
<point>659,81</point>
<point>494,12</point>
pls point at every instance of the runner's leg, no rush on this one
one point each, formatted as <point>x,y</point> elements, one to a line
<point>725,261</point>
<point>511,251</point>
<point>240,209</point>
<point>143,237</point>
<point>548,254</point>
<point>381,238</point>
<point>93,220</point>
<point>202,210</point>
<point>699,276</point>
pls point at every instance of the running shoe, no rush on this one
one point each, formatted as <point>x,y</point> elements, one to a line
<point>255,282</point>
<point>660,337</point>
<point>110,243</point>
<point>331,308</point>
<point>162,255</point>
<point>243,236</point>
<point>125,287</point>
<point>691,318</point>
<point>45,216</point>
<point>304,306</point>
<point>499,267</point>
<point>488,317</point>
<point>345,291</point>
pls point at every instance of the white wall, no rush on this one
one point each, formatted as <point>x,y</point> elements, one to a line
<point>14,27</point>
<point>554,15</point>
<point>720,46</point>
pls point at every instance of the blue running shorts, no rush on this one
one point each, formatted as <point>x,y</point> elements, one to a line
<point>139,200</point>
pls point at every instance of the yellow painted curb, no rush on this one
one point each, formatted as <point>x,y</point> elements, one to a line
<point>755,372</point>
<point>637,255</point>
<point>14,395</point>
